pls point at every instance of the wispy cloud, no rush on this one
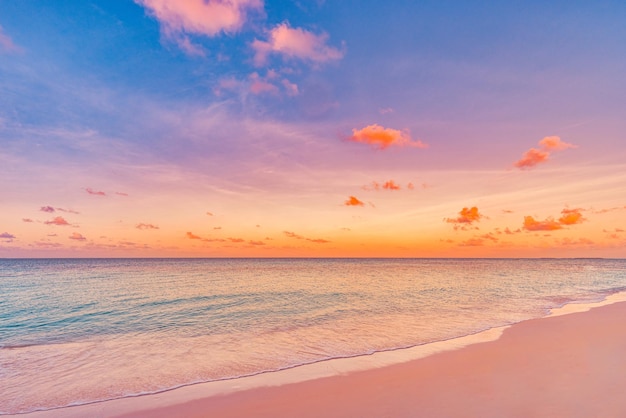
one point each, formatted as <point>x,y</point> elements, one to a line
<point>191,235</point>
<point>95,192</point>
<point>59,220</point>
<point>78,237</point>
<point>146,226</point>
<point>535,156</point>
<point>7,236</point>
<point>353,201</point>
<point>381,137</point>
<point>180,18</point>
<point>48,209</point>
<point>295,43</point>
<point>27,220</point>
<point>7,44</point>
<point>314,240</point>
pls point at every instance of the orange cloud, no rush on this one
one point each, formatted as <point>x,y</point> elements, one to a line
<point>256,243</point>
<point>146,226</point>
<point>94,192</point>
<point>571,217</point>
<point>76,236</point>
<point>201,17</point>
<point>296,236</point>
<point>466,216</point>
<point>568,217</point>
<point>59,220</point>
<point>534,156</point>
<point>472,242</point>
<point>382,138</point>
<point>295,43</point>
<point>190,235</point>
<point>554,143</point>
<point>353,201</point>
<point>391,185</point>
<point>530,224</point>
<point>236,240</point>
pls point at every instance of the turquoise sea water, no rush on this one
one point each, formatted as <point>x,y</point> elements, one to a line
<point>75,331</point>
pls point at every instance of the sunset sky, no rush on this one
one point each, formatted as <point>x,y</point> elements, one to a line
<point>304,128</point>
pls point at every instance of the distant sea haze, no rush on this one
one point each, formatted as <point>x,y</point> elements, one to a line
<point>75,331</point>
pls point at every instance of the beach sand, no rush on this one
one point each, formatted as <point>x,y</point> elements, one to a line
<point>570,365</point>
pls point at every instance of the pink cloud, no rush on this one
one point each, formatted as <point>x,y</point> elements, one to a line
<point>146,226</point>
<point>121,194</point>
<point>68,211</point>
<point>27,220</point>
<point>382,138</point>
<point>6,235</point>
<point>258,85</point>
<point>200,17</point>
<point>76,236</point>
<point>59,220</point>
<point>6,43</point>
<point>534,156</point>
<point>48,209</point>
<point>94,192</point>
<point>295,43</point>
<point>290,88</point>
<point>353,201</point>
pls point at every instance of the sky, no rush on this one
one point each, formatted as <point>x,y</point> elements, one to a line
<point>312,128</point>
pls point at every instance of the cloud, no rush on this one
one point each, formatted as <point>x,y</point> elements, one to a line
<point>27,220</point>
<point>94,192</point>
<point>571,217</point>
<point>121,194</point>
<point>59,220</point>
<point>554,143</point>
<point>259,85</point>
<point>568,217</point>
<point>76,236</point>
<point>48,209</point>
<point>531,158</point>
<point>315,240</point>
<point>382,137</point>
<point>466,216</point>
<point>209,214</point>
<point>199,17</point>
<point>146,226</point>
<point>236,239</point>
<point>6,235</point>
<point>391,185</point>
<point>534,156</point>
<point>290,88</point>
<point>530,224</point>
<point>6,43</point>
<point>385,110</point>
<point>472,242</point>
<point>68,211</point>
<point>295,43</point>
<point>190,235</point>
<point>353,201</point>
<point>256,243</point>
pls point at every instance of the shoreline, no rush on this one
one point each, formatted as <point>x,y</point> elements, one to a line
<point>211,394</point>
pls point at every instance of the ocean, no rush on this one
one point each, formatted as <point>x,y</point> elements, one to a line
<point>77,331</point>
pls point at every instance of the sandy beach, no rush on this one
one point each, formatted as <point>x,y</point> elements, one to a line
<point>560,366</point>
